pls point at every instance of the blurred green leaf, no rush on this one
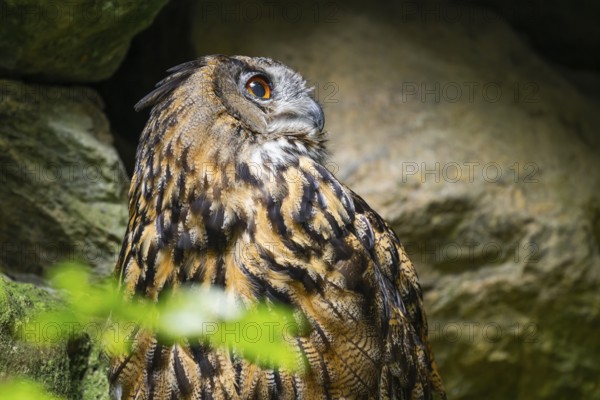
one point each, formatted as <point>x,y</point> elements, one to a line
<point>189,311</point>
<point>21,389</point>
<point>262,334</point>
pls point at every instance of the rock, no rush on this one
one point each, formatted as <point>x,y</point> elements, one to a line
<point>482,157</point>
<point>63,185</point>
<point>563,32</point>
<point>75,41</point>
<point>72,370</point>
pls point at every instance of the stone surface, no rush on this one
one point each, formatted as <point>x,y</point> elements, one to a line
<point>63,186</point>
<point>563,31</point>
<point>482,157</point>
<point>72,370</point>
<point>74,41</point>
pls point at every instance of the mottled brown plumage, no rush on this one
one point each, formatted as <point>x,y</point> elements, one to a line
<point>230,190</point>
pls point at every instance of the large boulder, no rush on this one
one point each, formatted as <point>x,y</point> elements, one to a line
<point>63,184</point>
<point>562,30</point>
<point>482,157</point>
<point>73,41</point>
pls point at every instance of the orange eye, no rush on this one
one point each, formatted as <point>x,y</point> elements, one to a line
<point>257,86</point>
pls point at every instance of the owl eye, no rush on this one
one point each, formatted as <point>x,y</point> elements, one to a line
<point>259,87</point>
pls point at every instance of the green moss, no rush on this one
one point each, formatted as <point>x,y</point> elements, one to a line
<point>94,385</point>
<point>74,370</point>
<point>49,364</point>
<point>20,301</point>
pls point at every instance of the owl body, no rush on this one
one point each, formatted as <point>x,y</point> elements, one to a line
<point>230,190</point>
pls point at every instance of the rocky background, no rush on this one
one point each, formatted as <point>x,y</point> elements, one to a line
<point>472,126</point>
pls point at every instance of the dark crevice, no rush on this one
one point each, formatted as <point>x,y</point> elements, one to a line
<point>164,44</point>
<point>79,349</point>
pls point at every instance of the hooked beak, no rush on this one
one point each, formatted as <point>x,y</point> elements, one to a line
<point>304,116</point>
<point>316,113</point>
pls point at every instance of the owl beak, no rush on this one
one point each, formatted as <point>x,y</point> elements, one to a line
<point>306,116</point>
<point>316,113</point>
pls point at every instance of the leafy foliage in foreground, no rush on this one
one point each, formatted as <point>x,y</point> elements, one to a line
<point>99,310</point>
<point>22,389</point>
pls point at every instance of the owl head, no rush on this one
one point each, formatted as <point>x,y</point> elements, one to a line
<point>233,111</point>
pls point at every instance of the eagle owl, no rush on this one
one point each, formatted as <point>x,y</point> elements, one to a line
<point>232,158</point>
